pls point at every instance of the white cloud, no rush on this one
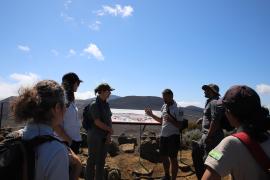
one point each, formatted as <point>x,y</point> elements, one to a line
<point>117,10</point>
<point>8,88</point>
<point>84,95</point>
<point>263,88</point>
<point>54,52</point>
<point>93,50</point>
<point>23,48</point>
<point>189,103</point>
<point>67,4</point>
<point>72,52</point>
<point>95,26</point>
<point>66,17</point>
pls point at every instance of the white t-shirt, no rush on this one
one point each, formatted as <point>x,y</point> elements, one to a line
<point>231,156</point>
<point>168,128</point>
<point>71,123</point>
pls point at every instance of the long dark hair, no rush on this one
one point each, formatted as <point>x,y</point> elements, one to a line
<point>68,81</point>
<point>69,92</point>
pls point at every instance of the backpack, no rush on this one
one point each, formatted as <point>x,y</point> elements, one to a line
<point>87,120</point>
<point>17,157</point>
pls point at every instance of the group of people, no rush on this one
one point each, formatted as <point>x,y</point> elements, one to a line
<point>51,109</point>
<point>215,156</point>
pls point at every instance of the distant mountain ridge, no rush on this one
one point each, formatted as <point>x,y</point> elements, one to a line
<point>137,102</point>
<point>128,102</point>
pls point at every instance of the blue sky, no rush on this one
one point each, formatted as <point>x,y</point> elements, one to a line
<point>139,47</point>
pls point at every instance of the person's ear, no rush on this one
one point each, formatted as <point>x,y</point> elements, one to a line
<point>56,109</point>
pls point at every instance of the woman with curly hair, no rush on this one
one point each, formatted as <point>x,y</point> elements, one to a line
<point>43,106</point>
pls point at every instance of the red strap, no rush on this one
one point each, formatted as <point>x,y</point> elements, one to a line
<point>255,149</point>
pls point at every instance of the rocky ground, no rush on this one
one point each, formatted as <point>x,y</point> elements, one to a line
<point>132,166</point>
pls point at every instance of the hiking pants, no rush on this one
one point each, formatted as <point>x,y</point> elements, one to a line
<point>97,152</point>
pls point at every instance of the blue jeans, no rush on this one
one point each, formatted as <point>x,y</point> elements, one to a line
<point>97,152</point>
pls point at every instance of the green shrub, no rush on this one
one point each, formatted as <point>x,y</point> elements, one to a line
<point>188,136</point>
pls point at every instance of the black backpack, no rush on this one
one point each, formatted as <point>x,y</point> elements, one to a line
<point>87,121</point>
<point>17,157</point>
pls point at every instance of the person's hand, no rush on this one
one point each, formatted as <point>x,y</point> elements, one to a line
<point>73,158</point>
<point>108,139</point>
<point>168,118</point>
<point>148,111</point>
<point>110,130</point>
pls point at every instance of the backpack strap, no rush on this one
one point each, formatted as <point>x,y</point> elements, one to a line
<point>255,149</point>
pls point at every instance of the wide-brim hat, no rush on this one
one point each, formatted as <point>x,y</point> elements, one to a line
<point>212,87</point>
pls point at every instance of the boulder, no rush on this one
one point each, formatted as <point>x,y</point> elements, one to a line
<point>184,167</point>
<point>124,139</point>
<point>114,174</point>
<point>142,172</point>
<point>149,150</point>
<point>128,148</point>
<point>149,134</point>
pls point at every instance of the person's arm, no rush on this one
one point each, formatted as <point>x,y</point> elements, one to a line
<point>97,117</point>
<point>210,174</point>
<point>177,124</point>
<point>61,132</point>
<point>102,125</point>
<point>75,165</point>
<point>149,112</point>
<point>214,126</point>
<point>215,123</point>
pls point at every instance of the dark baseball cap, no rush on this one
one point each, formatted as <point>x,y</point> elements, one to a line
<point>212,87</point>
<point>103,87</point>
<point>167,91</point>
<point>71,77</point>
<point>242,98</point>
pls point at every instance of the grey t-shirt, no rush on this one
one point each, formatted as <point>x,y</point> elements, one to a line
<point>209,115</point>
